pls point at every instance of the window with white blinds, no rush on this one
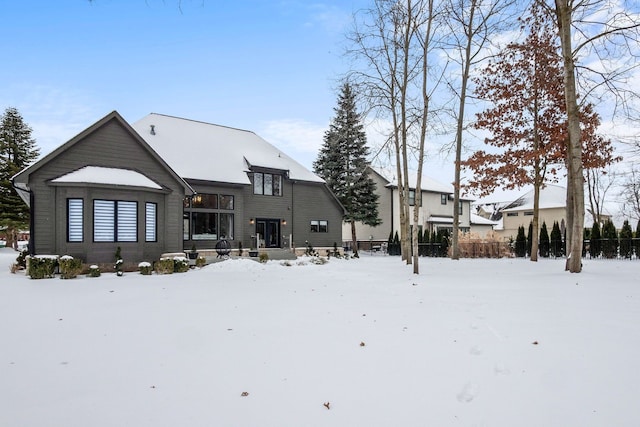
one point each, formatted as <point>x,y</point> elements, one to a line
<point>115,221</point>
<point>150,216</point>
<point>127,221</point>
<point>75,220</point>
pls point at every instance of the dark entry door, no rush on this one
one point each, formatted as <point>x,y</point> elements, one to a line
<point>269,230</point>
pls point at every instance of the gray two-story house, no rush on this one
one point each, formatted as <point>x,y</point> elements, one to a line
<point>167,184</point>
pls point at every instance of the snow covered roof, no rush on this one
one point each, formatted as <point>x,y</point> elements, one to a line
<point>551,196</point>
<point>210,152</point>
<point>103,175</point>
<point>440,219</point>
<point>479,220</point>
<point>427,183</point>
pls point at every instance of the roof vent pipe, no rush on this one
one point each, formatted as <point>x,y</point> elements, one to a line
<point>153,129</point>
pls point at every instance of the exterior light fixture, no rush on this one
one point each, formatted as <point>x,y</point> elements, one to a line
<point>251,221</point>
<point>284,222</point>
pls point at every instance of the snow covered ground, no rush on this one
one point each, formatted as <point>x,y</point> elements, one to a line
<point>350,343</point>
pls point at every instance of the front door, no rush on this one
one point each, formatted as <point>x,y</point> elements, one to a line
<point>269,231</point>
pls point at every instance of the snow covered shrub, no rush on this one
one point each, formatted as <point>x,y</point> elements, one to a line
<point>180,264</point>
<point>119,263</point>
<point>319,260</point>
<point>164,266</point>
<point>145,268</point>
<point>264,257</point>
<point>70,267</point>
<point>201,261</point>
<point>42,266</point>
<point>94,271</point>
<point>285,264</point>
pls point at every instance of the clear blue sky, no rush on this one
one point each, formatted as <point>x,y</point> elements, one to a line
<point>266,66</point>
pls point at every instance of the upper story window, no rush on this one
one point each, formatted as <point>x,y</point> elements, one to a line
<point>443,199</point>
<point>319,226</point>
<point>460,208</point>
<point>528,213</point>
<point>267,184</point>
<point>205,201</point>
<point>412,198</point>
<point>512,213</point>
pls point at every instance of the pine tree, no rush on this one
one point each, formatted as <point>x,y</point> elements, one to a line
<point>342,163</point>
<point>610,240</point>
<point>626,246</point>
<point>521,243</point>
<point>595,242</point>
<point>530,238</point>
<point>556,240</point>
<point>17,151</point>
<point>636,242</point>
<point>544,241</point>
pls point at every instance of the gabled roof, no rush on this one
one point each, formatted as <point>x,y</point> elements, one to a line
<point>479,220</point>
<point>209,152</point>
<point>426,184</point>
<point>551,196</point>
<point>21,179</point>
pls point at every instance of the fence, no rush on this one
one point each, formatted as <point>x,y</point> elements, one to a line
<point>625,248</point>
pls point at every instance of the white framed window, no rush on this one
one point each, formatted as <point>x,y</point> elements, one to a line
<point>75,220</point>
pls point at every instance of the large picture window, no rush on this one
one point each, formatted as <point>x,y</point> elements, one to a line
<point>226,226</point>
<point>267,184</point>
<point>205,226</point>
<point>75,222</point>
<point>115,221</point>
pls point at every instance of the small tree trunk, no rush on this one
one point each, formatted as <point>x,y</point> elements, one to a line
<point>354,239</point>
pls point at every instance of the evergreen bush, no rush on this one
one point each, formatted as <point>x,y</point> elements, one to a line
<point>94,271</point>
<point>201,262</point>
<point>145,268</point>
<point>264,257</point>
<point>626,244</point>
<point>595,241</point>
<point>42,266</point>
<point>544,244</point>
<point>164,266</point>
<point>119,262</point>
<point>70,267</point>
<point>530,239</point>
<point>521,243</point>
<point>609,240</point>
<point>555,243</point>
<point>180,264</point>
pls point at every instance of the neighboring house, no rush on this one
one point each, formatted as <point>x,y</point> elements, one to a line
<point>165,184</point>
<point>552,208</point>
<point>480,226</point>
<point>436,212</point>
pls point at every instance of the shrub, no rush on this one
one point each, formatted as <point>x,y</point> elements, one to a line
<point>201,261</point>
<point>145,268</point>
<point>180,264</point>
<point>94,271</point>
<point>164,266</point>
<point>119,262</point>
<point>70,267</point>
<point>42,267</point>
<point>319,260</point>
<point>264,257</point>
<point>21,261</point>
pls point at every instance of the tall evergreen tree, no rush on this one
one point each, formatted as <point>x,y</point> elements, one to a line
<point>636,242</point>
<point>556,240</point>
<point>342,163</point>
<point>626,246</point>
<point>530,238</point>
<point>543,246</point>
<point>521,243</point>
<point>17,150</point>
<point>609,240</point>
